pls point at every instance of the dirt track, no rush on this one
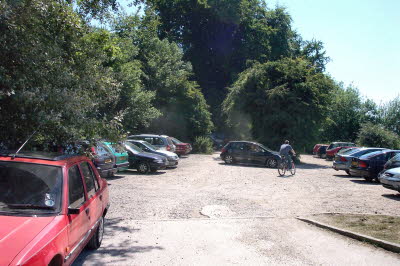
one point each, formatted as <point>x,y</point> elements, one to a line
<point>206,212</point>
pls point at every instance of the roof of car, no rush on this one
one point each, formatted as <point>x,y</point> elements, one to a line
<point>51,158</point>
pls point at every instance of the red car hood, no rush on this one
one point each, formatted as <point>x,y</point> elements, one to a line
<point>16,232</point>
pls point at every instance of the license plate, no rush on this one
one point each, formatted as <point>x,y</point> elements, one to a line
<point>122,158</point>
<point>108,161</point>
<point>354,163</point>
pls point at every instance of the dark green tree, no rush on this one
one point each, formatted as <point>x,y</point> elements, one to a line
<point>375,135</point>
<point>285,99</point>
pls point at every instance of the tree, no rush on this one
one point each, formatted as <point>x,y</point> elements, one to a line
<point>286,99</point>
<point>372,135</point>
<point>184,110</point>
<point>390,113</point>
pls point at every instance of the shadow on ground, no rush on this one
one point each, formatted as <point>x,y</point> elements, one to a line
<point>246,165</point>
<point>365,182</point>
<point>312,166</point>
<point>119,251</point>
<point>392,196</point>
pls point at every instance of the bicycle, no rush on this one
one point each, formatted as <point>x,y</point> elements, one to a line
<point>283,166</point>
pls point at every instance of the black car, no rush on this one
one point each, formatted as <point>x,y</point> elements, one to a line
<point>104,160</point>
<point>321,153</point>
<point>144,162</point>
<point>172,157</point>
<point>250,153</point>
<point>370,165</point>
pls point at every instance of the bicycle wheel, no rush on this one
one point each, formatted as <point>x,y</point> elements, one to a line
<point>293,169</point>
<point>282,169</point>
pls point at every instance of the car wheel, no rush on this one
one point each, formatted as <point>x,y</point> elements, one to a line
<point>367,178</point>
<point>272,163</point>
<point>97,238</point>
<point>143,168</point>
<point>348,172</point>
<point>229,159</point>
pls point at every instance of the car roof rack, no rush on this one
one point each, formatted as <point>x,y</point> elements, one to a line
<point>49,156</point>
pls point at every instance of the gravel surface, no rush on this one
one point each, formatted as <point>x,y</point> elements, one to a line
<point>210,212</point>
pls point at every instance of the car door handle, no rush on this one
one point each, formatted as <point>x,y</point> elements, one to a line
<point>101,197</point>
<point>87,211</point>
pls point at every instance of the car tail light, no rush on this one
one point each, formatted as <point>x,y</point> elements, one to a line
<point>93,150</point>
<point>343,159</point>
<point>362,164</point>
<point>168,147</point>
<point>223,150</point>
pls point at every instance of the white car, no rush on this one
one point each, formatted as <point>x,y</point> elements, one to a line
<point>391,179</point>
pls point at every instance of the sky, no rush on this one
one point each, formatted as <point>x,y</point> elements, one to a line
<point>360,36</point>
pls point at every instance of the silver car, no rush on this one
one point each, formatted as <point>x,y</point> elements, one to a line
<point>161,142</point>
<point>147,147</point>
<point>391,179</point>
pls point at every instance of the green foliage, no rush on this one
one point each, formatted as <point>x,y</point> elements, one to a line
<point>202,144</point>
<point>372,135</point>
<point>184,111</point>
<point>390,115</point>
<point>286,99</point>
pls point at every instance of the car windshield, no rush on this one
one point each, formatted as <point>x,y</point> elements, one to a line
<point>149,146</point>
<point>265,148</point>
<point>370,155</point>
<point>30,188</point>
<point>176,141</point>
<point>132,147</point>
<point>364,151</point>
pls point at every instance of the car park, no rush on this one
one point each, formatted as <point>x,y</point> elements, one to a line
<point>250,153</point>
<point>343,161</point>
<point>321,152</point>
<point>370,165</point>
<point>315,149</point>
<point>181,147</point>
<point>120,155</point>
<point>52,205</point>
<point>172,158</point>
<point>335,147</point>
<point>144,162</point>
<point>161,142</point>
<point>390,179</point>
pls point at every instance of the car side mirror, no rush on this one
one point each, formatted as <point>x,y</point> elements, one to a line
<point>73,211</point>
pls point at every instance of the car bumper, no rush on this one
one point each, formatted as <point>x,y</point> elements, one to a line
<point>340,166</point>
<point>157,166</point>
<point>107,172</point>
<point>360,172</point>
<point>172,163</point>
<point>390,183</point>
<point>122,166</point>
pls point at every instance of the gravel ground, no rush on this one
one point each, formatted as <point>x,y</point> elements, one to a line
<point>210,212</point>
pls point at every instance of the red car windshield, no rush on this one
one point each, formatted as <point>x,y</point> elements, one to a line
<point>27,188</point>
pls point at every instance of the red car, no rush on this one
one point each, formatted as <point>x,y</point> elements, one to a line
<point>335,147</point>
<point>181,147</point>
<point>51,207</point>
<point>315,149</point>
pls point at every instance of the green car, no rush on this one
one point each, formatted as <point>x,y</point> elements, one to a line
<point>120,154</point>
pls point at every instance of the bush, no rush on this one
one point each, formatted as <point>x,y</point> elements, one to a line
<point>377,136</point>
<point>202,145</point>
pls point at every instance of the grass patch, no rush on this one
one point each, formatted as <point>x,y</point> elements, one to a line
<point>383,227</point>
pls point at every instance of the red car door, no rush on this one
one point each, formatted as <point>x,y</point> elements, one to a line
<point>78,215</point>
<point>94,207</point>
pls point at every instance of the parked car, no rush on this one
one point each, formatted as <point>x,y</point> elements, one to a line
<point>181,147</point>
<point>334,147</point>
<point>52,205</point>
<point>390,179</point>
<point>161,142</point>
<point>315,149</point>
<point>343,161</point>
<point>120,155</point>
<point>370,165</point>
<point>392,163</point>
<point>321,153</point>
<point>144,162</point>
<point>172,158</point>
<point>250,153</point>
